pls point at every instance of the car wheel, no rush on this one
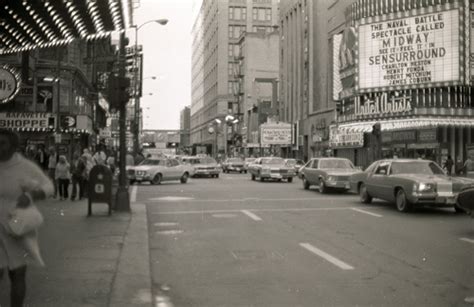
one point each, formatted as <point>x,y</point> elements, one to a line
<point>364,195</point>
<point>217,175</point>
<point>322,187</point>
<point>245,172</point>
<point>290,180</point>
<point>253,177</point>
<point>261,178</point>
<point>132,182</point>
<point>184,178</point>
<point>157,179</point>
<point>458,209</point>
<point>305,184</point>
<point>403,205</point>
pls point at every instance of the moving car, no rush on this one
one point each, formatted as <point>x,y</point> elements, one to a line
<point>271,168</point>
<point>247,162</point>
<point>233,165</point>
<point>203,166</point>
<point>409,183</point>
<point>296,163</point>
<point>157,170</point>
<point>327,173</point>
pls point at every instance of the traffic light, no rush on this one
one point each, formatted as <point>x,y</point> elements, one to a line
<point>117,91</point>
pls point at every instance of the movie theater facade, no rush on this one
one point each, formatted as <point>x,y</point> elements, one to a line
<point>405,65</point>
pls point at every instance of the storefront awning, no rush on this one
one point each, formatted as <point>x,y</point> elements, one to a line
<point>412,123</point>
<point>27,25</point>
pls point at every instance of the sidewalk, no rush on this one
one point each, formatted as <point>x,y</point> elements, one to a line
<point>90,261</point>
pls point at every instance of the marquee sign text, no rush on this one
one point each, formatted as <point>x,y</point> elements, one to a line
<point>382,104</point>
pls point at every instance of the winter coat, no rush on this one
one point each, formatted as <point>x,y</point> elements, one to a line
<point>63,171</point>
<point>22,175</point>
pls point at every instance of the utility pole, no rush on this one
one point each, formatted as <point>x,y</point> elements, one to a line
<point>122,200</point>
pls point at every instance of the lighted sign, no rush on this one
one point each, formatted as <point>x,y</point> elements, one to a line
<point>339,138</point>
<point>382,104</point>
<point>9,84</point>
<point>409,52</point>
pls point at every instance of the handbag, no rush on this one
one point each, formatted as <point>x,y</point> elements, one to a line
<point>24,220</point>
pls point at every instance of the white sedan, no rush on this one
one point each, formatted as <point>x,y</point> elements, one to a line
<point>157,170</point>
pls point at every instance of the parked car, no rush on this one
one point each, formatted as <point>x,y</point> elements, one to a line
<point>247,162</point>
<point>409,183</point>
<point>157,170</point>
<point>327,173</point>
<point>296,163</point>
<point>203,166</point>
<point>233,165</point>
<point>271,168</point>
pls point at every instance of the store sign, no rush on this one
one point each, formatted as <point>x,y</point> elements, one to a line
<point>27,120</point>
<point>429,135</point>
<point>407,52</point>
<point>339,138</point>
<point>275,134</point>
<point>9,84</point>
<point>382,104</point>
<point>404,136</point>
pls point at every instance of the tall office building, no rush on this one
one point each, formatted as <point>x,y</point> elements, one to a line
<point>216,33</point>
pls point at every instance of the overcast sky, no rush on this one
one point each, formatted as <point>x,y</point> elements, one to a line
<point>167,55</point>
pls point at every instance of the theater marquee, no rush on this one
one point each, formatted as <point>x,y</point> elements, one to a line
<point>419,50</point>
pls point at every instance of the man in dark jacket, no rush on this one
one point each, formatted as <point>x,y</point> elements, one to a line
<point>78,171</point>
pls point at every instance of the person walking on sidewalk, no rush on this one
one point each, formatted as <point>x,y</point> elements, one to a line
<point>63,176</point>
<point>78,171</point>
<point>52,161</point>
<point>22,182</point>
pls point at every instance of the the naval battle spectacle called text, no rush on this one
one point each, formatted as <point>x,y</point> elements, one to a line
<point>414,50</point>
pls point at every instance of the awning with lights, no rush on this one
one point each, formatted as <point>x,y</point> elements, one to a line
<point>413,123</point>
<point>31,24</point>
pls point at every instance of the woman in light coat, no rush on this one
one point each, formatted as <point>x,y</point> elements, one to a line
<point>22,183</point>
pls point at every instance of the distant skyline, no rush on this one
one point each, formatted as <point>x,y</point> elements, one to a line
<point>167,56</point>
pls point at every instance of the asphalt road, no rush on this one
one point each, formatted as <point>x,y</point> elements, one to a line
<point>235,242</point>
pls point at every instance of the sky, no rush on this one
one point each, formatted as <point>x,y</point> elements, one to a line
<point>167,56</point>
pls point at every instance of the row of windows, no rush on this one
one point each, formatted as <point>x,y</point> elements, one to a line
<point>233,50</point>
<point>261,14</point>
<point>237,13</point>
<point>236,30</point>
<point>233,87</point>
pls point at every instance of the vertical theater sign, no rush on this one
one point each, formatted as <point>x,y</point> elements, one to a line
<point>9,83</point>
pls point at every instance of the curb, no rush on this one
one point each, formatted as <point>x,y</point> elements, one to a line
<point>132,282</point>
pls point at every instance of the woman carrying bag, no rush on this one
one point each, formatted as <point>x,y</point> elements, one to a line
<point>26,183</point>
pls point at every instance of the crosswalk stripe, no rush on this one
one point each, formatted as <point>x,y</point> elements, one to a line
<point>326,256</point>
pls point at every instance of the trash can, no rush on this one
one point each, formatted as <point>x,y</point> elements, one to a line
<point>100,187</point>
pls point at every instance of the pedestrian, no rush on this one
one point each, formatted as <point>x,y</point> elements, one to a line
<point>111,163</point>
<point>89,162</point>
<point>52,161</point>
<point>78,173</point>
<point>459,167</point>
<point>63,177</point>
<point>41,157</point>
<point>23,182</point>
<point>100,158</point>
<point>139,158</point>
<point>469,167</point>
<point>448,165</point>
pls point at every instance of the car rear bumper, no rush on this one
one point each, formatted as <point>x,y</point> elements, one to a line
<point>277,176</point>
<point>338,185</point>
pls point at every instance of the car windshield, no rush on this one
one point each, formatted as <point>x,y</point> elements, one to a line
<point>250,159</point>
<point>273,161</point>
<point>291,162</point>
<point>207,160</point>
<point>151,162</point>
<point>335,164</point>
<point>191,161</point>
<point>415,167</point>
<point>233,160</point>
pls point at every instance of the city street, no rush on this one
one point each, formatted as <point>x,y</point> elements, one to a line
<point>234,242</point>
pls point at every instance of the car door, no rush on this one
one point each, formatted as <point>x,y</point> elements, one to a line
<point>377,181</point>
<point>311,172</point>
<point>175,168</point>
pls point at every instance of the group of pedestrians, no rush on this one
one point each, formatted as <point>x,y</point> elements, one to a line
<point>76,172</point>
<point>458,167</point>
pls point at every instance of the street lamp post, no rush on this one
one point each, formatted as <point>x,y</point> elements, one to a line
<point>136,117</point>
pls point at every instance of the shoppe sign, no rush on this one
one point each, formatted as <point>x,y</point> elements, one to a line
<point>14,120</point>
<point>421,49</point>
<point>9,83</point>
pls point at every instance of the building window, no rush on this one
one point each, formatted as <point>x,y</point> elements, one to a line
<point>236,30</point>
<point>237,13</point>
<point>233,50</point>
<point>233,87</point>
<point>261,14</point>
